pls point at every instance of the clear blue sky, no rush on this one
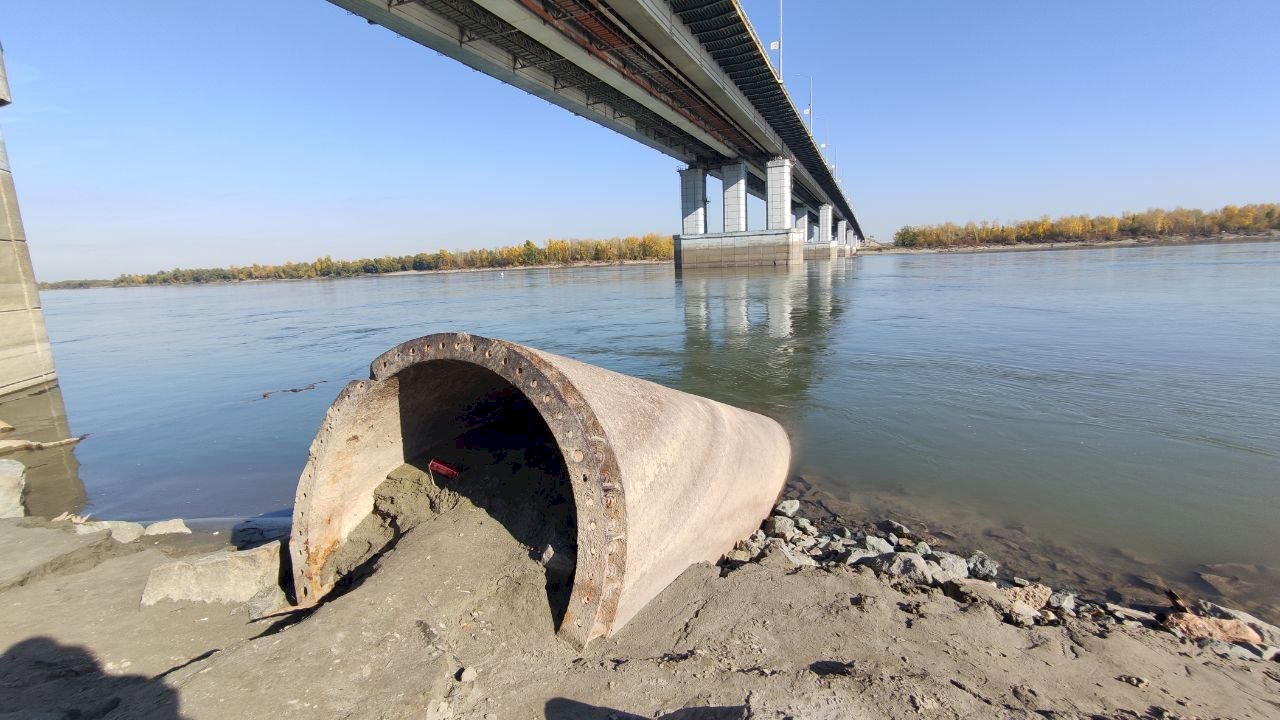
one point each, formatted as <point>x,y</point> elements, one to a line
<point>147,135</point>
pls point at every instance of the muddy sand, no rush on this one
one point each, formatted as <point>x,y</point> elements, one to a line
<point>456,621</point>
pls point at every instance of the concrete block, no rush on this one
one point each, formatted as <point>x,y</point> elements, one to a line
<point>168,527</point>
<point>13,485</point>
<point>17,280</point>
<point>227,576</point>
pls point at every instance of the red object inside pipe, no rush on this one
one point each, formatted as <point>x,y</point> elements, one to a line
<point>444,469</point>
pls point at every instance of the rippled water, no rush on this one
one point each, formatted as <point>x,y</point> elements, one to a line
<point>1124,399</point>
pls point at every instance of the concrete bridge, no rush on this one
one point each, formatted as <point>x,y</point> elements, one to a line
<point>686,77</point>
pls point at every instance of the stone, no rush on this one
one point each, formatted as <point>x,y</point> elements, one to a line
<point>780,555</point>
<point>854,556</point>
<point>5,427</point>
<point>1021,614</point>
<point>1123,613</point>
<point>894,539</point>
<point>806,527</point>
<point>467,674</point>
<point>1064,602</point>
<point>907,566</point>
<point>877,545</point>
<point>226,576</point>
<point>267,602</point>
<point>168,527</point>
<point>759,538</point>
<point>951,567</point>
<point>739,556</point>
<point>121,531</point>
<point>982,567</point>
<point>1270,633</point>
<point>893,527</point>
<point>922,548</point>
<point>1230,651</point>
<point>804,542</point>
<point>13,485</point>
<point>1035,595</point>
<point>1195,627</point>
<point>787,508</point>
<point>780,526</point>
<point>1133,680</point>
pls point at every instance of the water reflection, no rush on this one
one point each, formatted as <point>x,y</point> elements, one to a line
<point>53,474</point>
<point>754,337</point>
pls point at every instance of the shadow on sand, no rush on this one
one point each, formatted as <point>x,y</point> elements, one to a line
<point>42,679</point>
<point>565,709</point>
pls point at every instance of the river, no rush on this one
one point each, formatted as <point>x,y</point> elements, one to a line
<point>1117,407</point>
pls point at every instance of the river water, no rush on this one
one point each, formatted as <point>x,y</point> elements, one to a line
<point>1119,408</point>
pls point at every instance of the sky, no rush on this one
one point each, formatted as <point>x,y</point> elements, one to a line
<point>147,135</point>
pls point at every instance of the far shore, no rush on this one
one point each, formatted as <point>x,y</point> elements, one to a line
<point>1223,238</point>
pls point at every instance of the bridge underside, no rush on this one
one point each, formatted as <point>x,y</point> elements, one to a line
<point>685,77</point>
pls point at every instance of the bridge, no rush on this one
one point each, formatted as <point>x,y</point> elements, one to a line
<point>688,78</point>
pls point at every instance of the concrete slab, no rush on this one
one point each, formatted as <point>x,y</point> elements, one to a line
<point>27,552</point>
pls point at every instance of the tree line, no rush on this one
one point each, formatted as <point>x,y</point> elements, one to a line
<point>553,252</point>
<point>1152,223</point>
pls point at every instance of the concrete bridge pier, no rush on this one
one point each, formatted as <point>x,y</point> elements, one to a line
<point>842,238</point>
<point>779,244</point>
<point>25,356</point>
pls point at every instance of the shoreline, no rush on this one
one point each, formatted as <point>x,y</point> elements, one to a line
<point>448,271</point>
<point>1223,239</point>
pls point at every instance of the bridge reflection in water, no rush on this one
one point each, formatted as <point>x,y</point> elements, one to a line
<point>757,339</point>
<point>53,474</point>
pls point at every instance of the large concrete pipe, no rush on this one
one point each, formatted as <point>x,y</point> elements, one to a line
<point>660,479</point>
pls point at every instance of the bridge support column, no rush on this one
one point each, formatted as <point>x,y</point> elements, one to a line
<point>25,356</point>
<point>778,201</point>
<point>842,236</point>
<point>693,200</point>
<point>802,224</point>
<point>824,224</point>
<point>735,197</point>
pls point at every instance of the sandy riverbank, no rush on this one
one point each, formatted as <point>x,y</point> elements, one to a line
<point>1224,238</point>
<point>785,629</point>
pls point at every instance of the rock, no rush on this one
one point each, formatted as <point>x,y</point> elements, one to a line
<point>739,556</point>
<point>121,531</point>
<point>877,545</point>
<point>907,566</point>
<point>781,555</point>
<point>787,508</point>
<point>1064,602</point>
<point>846,533</point>
<point>1270,633</point>
<point>854,556</point>
<point>806,527</point>
<point>266,602</point>
<point>1195,627</point>
<point>923,549</point>
<point>953,566</point>
<point>1021,614</point>
<point>1230,651</point>
<point>780,526</point>
<point>227,576</point>
<point>5,427</point>
<point>893,528</point>
<point>982,567</point>
<point>467,674</point>
<point>894,540</point>
<point>1020,582</point>
<point>759,538</point>
<point>168,527</point>
<point>804,542</point>
<point>969,590</point>
<point>1123,613</point>
<point>1133,680</point>
<point>1034,596</point>
<point>13,485</point>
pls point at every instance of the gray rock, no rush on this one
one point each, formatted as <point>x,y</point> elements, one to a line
<point>982,567</point>
<point>780,526</point>
<point>787,508</point>
<point>227,576</point>
<point>893,527</point>
<point>121,531</point>
<point>804,542</point>
<point>467,674</point>
<point>267,601</point>
<point>1131,615</point>
<point>13,485</point>
<point>806,527</point>
<point>168,527</point>
<point>855,556</point>
<point>846,533</point>
<point>894,539</point>
<point>1064,601</point>
<point>906,566</point>
<point>923,548</point>
<point>877,545</point>
<point>759,538</point>
<point>950,567</point>
<point>1021,614</point>
<point>780,554</point>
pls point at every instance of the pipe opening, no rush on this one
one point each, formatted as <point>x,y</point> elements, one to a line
<point>508,464</point>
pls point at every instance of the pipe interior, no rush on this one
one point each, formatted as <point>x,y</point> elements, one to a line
<point>509,464</point>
